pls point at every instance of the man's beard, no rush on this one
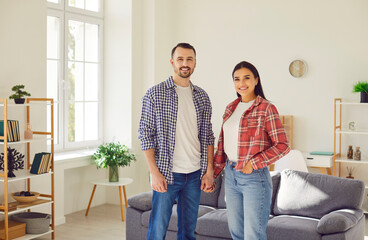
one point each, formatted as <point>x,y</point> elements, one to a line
<point>184,75</point>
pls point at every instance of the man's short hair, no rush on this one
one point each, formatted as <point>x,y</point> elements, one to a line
<point>182,45</point>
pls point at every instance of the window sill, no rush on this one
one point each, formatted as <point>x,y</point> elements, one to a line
<point>74,159</point>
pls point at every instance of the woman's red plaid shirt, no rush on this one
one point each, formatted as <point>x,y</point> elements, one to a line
<point>261,140</point>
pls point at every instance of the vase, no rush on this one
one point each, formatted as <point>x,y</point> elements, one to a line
<point>350,176</point>
<point>113,174</point>
<point>357,154</point>
<point>350,152</point>
<point>28,134</point>
<point>19,100</point>
<point>363,97</point>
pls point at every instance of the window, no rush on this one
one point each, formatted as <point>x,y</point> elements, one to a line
<point>74,71</point>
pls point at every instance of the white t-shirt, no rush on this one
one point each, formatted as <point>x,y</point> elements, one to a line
<point>187,152</point>
<point>231,131</point>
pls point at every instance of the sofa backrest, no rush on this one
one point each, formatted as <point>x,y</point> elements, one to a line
<point>221,202</point>
<point>275,177</point>
<point>221,197</point>
<point>211,199</point>
<point>314,195</point>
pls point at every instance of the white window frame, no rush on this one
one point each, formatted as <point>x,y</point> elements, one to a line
<point>66,13</point>
<point>60,126</point>
<point>83,11</point>
<point>85,19</point>
<point>59,6</point>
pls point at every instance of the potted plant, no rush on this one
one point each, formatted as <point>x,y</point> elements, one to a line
<point>19,94</point>
<point>113,155</point>
<point>362,87</point>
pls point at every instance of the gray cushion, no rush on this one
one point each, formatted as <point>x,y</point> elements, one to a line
<point>315,195</point>
<point>211,199</point>
<point>133,226</point>
<point>292,227</point>
<point>214,224</point>
<point>339,221</point>
<point>354,233</point>
<point>221,197</point>
<point>142,201</point>
<point>275,176</point>
<point>173,224</point>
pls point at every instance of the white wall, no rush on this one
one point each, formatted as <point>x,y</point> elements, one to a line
<point>23,61</point>
<point>330,36</point>
<point>271,35</point>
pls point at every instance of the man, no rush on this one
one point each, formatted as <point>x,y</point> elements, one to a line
<point>176,136</point>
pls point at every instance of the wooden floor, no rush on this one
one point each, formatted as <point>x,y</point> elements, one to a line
<point>103,223</point>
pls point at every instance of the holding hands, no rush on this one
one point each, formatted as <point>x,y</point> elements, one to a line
<point>208,184</point>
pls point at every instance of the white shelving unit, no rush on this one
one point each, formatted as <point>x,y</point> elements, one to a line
<point>339,132</point>
<point>32,236</point>
<point>25,175</point>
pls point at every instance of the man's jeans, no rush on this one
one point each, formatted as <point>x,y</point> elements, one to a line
<point>187,191</point>
<point>248,201</point>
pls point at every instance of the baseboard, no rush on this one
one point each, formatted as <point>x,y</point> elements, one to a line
<point>59,221</point>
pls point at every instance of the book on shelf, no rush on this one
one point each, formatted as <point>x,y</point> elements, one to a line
<point>321,153</point>
<point>41,163</point>
<point>48,167</point>
<point>13,130</point>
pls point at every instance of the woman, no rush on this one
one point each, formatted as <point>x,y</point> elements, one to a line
<point>251,138</point>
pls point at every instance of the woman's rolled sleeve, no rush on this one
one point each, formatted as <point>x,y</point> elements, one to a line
<point>278,139</point>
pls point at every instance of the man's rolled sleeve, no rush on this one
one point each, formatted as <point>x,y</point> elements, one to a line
<point>147,124</point>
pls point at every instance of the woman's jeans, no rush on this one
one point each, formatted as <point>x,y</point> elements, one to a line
<point>187,191</point>
<point>248,201</point>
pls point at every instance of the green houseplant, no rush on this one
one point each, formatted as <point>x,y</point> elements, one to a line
<point>19,94</point>
<point>113,155</point>
<point>362,87</point>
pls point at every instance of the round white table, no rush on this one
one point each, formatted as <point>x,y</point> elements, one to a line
<point>105,182</point>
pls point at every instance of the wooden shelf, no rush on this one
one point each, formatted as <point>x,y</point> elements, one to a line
<point>22,175</point>
<point>344,159</point>
<point>352,161</point>
<point>25,174</point>
<point>35,139</point>
<point>32,236</point>
<point>353,103</point>
<point>356,132</point>
<point>26,206</point>
<point>26,104</point>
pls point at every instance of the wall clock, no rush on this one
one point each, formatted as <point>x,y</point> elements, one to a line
<point>297,68</point>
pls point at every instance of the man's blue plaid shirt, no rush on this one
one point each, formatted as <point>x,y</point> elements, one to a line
<point>157,126</point>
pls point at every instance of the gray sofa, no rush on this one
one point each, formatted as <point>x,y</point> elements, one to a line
<point>304,206</point>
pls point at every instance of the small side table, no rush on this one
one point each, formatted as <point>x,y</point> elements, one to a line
<point>323,162</point>
<point>105,182</point>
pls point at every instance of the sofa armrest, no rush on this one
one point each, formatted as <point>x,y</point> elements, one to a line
<point>339,221</point>
<point>142,201</point>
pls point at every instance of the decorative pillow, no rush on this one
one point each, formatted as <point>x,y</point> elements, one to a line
<point>339,221</point>
<point>315,195</point>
